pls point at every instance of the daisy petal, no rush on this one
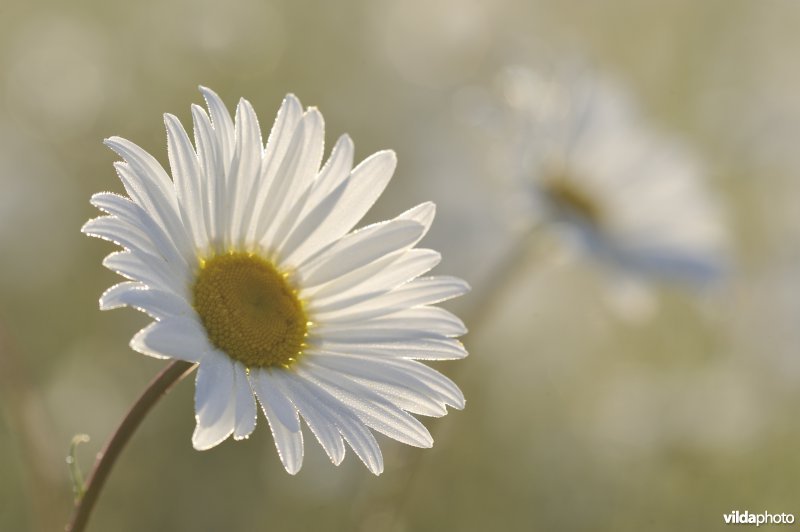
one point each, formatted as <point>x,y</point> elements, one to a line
<point>214,401</point>
<point>280,138</point>
<point>111,297</point>
<point>156,303</point>
<point>115,230</point>
<point>433,319</point>
<point>265,384</point>
<point>379,277</point>
<point>177,337</point>
<point>223,125</point>
<point>334,172</point>
<point>369,178</point>
<point>135,216</point>
<point>186,173</point>
<point>393,383</point>
<point>209,154</point>
<point>280,185</point>
<point>248,162</point>
<point>402,372</point>
<point>423,214</point>
<point>314,410</point>
<point>303,240</point>
<point>421,291</point>
<point>359,249</point>
<point>288,442</point>
<point>362,442</point>
<point>427,349</point>
<point>348,424</point>
<point>298,169</point>
<point>313,147</point>
<point>148,185</point>
<point>152,271</point>
<point>372,409</point>
<point>245,403</point>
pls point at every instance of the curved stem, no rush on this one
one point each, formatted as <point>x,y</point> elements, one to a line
<point>158,387</point>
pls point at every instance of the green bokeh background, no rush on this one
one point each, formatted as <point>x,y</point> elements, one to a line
<point>576,419</point>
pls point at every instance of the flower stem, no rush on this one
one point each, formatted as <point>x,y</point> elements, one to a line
<point>158,387</point>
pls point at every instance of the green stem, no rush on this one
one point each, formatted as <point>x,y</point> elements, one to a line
<point>157,388</point>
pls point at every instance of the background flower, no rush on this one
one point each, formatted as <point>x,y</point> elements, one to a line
<point>625,192</point>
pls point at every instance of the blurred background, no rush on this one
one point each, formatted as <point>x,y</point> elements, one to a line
<point>577,417</point>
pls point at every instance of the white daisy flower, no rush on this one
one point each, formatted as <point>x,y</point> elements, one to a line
<point>246,260</point>
<point>632,198</point>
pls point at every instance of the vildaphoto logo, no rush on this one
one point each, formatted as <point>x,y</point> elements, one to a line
<point>765,518</point>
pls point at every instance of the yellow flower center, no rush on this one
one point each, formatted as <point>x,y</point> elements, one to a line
<point>571,200</point>
<point>250,310</point>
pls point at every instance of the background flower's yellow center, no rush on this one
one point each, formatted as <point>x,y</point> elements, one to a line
<point>249,310</point>
<point>563,193</point>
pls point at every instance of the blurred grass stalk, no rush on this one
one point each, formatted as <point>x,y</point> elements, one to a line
<point>18,397</point>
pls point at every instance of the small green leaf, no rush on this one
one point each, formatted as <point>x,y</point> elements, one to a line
<point>78,484</point>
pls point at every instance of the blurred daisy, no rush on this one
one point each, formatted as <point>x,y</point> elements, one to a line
<point>624,193</point>
<point>247,263</point>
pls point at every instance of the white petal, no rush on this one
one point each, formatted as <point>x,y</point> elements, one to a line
<point>377,278</point>
<point>149,186</point>
<point>120,233</point>
<point>156,303</point>
<point>280,138</point>
<point>314,408</point>
<point>268,219</point>
<point>296,203</point>
<point>313,147</point>
<point>391,382</point>
<point>369,178</point>
<point>246,171</point>
<point>336,169</point>
<point>395,370</point>
<point>294,178</point>
<point>180,337</point>
<point>367,182</point>
<point>282,417</point>
<point>268,391</point>
<point>362,442</point>
<point>372,409</point>
<point>346,422</point>
<point>153,271</point>
<point>245,403</point>
<point>188,180</point>
<point>223,125</point>
<point>421,291</point>
<point>214,402</point>
<point>377,334</point>
<point>304,238</point>
<point>209,153</point>
<point>449,390</point>
<point>111,297</point>
<point>423,214</point>
<point>289,443</point>
<point>427,349</point>
<point>359,249</point>
<point>345,285</point>
<point>309,233</point>
<point>435,320</point>
<point>131,213</point>
<point>221,198</point>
